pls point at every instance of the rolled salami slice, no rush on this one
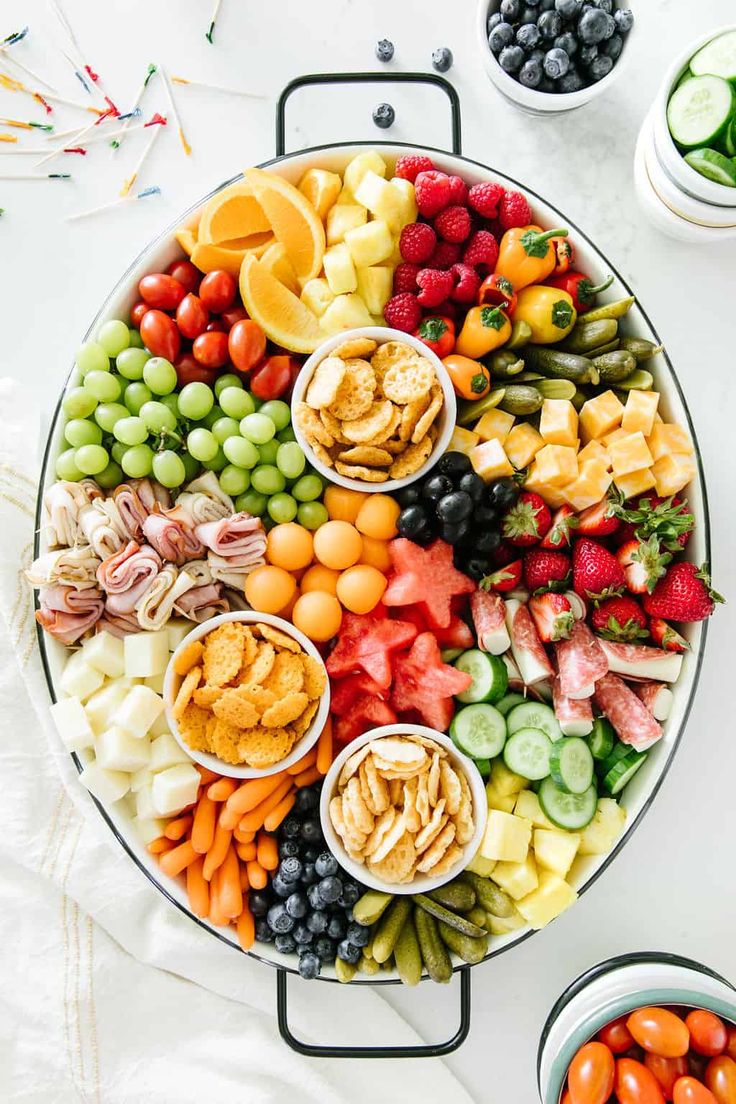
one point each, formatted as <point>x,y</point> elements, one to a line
<point>574,715</point>
<point>631,719</point>
<point>581,662</point>
<point>657,698</point>
<point>526,647</point>
<point>489,618</point>
<point>641,661</point>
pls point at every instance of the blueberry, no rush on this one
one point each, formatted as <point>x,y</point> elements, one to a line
<point>407,496</point>
<point>528,15</point>
<point>384,115</point>
<point>306,799</point>
<point>530,73</point>
<point>279,920</point>
<point>510,9</point>
<point>296,905</point>
<point>315,897</point>
<point>588,54</point>
<point>612,47</point>
<point>568,9</point>
<point>310,853</point>
<point>309,966</point>
<point>285,943</point>
<point>317,921</point>
<point>624,19</point>
<point>348,952</point>
<point>384,49</point>
<point>453,464</point>
<point>263,931</point>
<point>486,541</point>
<point>411,520</point>
<point>436,487</point>
<point>546,5</point>
<point>291,827</point>
<point>337,927</point>
<point>259,903</point>
<point>592,26</point>
<point>452,533</point>
<point>358,935</point>
<point>442,59</point>
<point>511,59</point>
<point>538,56</point>
<point>501,35</point>
<point>477,567</point>
<point>311,831</point>
<point>571,82</point>
<point>325,949</point>
<point>556,63</point>
<point>493,21</point>
<point>302,933</point>
<point>604,5</point>
<point>290,869</point>
<point>350,894</point>
<point>455,507</point>
<point>549,24</point>
<point>533,3</point>
<point>308,875</point>
<point>330,889</point>
<point>325,864</point>
<point>567,42</point>
<point>527,36</point>
<point>289,848</point>
<point>280,887</point>
<point>600,67</point>
<point>502,494</point>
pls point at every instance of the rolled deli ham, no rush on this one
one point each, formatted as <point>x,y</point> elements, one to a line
<point>631,719</point>
<point>489,618</point>
<point>118,624</point>
<point>657,698</point>
<point>173,536</point>
<point>155,607</point>
<point>574,715</point>
<point>581,661</point>
<point>68,613</point>
<point>206,598</point>
<point>75,567</point>
<point>127,576</point>
<point>240,539</point>
<point>526,647</point>
<point>133,511</point>
<point>642,662</point>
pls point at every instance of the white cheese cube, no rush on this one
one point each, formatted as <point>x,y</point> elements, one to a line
<point>139,710</point>
<point>102,707</point>
<point>79,679</point>
<point>117,750</point>
<point>175,788</point>
<point>146,653</point>
<point>106,785</point>
<point>104,652</point>
<point>159,726</point>
<point>141,778</point>
<point>165,752</point>
<point>156,682</point>
<point>149,828</point>
<point>144,808</point>
<point>176,630</point>
<point>72,724</point>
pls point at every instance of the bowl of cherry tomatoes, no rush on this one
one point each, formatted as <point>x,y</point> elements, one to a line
<point>641,1028</point>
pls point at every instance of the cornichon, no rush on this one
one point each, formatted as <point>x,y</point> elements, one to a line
<point>458,896</point>
<point>470,412</point>
<point>560,364</point>
<point>578,399</point>
<point>459,923</point>
<point>490,897</point>
<point>640,348</point>
<point>521,398</point>
<point>388,930</point>
<point>615,366</point>
<point>345,971</point>
<point>371,907</point>
<point>469,950</point>
<point>617,309</point>
<point>555,388</point>
<point>589,335</point>
<point>434,952</point>
<point>609,347</point>
<point>504,364</point>
<point>408,955</point>
<point>368,965</point>
<point>640,380</point>
<point>521,332</point>
<point>478,916</point>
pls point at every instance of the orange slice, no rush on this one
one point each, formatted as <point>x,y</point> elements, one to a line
<point>321,188</point>
<point>232,213</point>
<point>229,255</point>
<point>187,239</point>
<point>282,316</point>
<point>276,260</point>
<point>293,220</point>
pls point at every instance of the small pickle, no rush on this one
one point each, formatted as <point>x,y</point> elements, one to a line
<point>615,366</point>
<point>458,896</point>
<point>589,334</point>
<point>478,916</point>
<point>504,364</point>
<point>469,950</point>
<point>368,965</point>
<point>641,348</point>
<point>407,954</point>
<point>521,333</point>
<point>640,380</point>
<point>371,907</point>
<point>434,953</point>
<point>469,413</point>
<point>617,309</point>
<point>389,927</point>
<point>441,913</point>
<point>490,897</point>
<point>521,399</point>
<point>345,971</point>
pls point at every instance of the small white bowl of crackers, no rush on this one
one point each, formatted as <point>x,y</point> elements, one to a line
<point>402,809</point>
<point>373,409</point>
<point>246,694</point>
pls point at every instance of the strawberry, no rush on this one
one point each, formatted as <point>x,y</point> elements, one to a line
<point>505,579</point>
<point>545,570</point>
<point>558,535</point>
<point>552,616</point>
<point>684,594</point>
<point>666,518</point>
<point>643,563</point>
<point>666,637</point>
<point>596,573</point>
<point>619,619</point>
<point>599,520</point>
<point>527,521</point>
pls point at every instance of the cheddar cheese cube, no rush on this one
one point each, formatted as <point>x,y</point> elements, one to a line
<point>629,454</point>
<point>495,425</point>
<point>522,444</point>
<point>635,482</point>
<point>639,412</point>
<point>669,438</point>
<point>594,450</point>
<point>557,464</point>
<point>553,496</point>
<point>591,485</point>
<point>558,423</point>
<point>463,440</point>
<point>600,415</point>
<point>672,473</point>
<point>490,461</point>
<point>614,435</point>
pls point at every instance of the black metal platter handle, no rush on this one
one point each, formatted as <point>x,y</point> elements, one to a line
<point>368,78</point>
<point>425,1050</point>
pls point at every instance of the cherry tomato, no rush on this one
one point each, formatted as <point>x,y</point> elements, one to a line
<point>189,370</point>
<point>230,317</point>
<point>186,273</point>
<point>666,1071</point>
<point>707,1032</point>
<point>272,378</point>
<point>161,291</point>
<point>217,291</point>
<point>216,326</point>
<point>659,1031</point>
<point>689,1091</point>
<point>566,1098</point>
<point>731,1042</point>
<point>137,312</point>
<point>590,1077</point>
<point>635,1084</point>
<point>192,316</point>
<point>210,349</point>
<point>616,1036</point>
<point>160,334</point>
<point>247,344</point>
<point>720,1077</point>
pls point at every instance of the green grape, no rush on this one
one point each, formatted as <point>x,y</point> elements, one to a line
<point>160,375</point>
<point>195,400</point>
<point>228,380</point>
<point>217,463</point>
<point>252,503</point>
<point>267,479</point>
<point>66,467</point>
<point>136,394</point>
<point>257,428</point>
<point>307,488</point>
<point>290,459</point>
<point>80,431</point>
<point>131,362</point>
<point>234,481</point>
<point>157,417</point>
<point>191,466</point>
<point>135,341</point>
<point>214,416</point>
<point>268,523</point>
<point>240,452</point>
<point>268,452</point>
<point>172,401</point>
<point>104,386</point>
<point>130,431</point>
<point>111,476</point>
<point>236,402</point>
<point>91,459</point>
<point>277,411</point>
<point>107,414</point>
<point>113,336</point>
<point>169,468</point>
<point>118,451</point>
<point>287,435</point>
<point>312,514</point>
<point>137,461</point>
<point>78,403</point>
<point>282,507</point>
<point>202,445</point>
<point>224,428</point>
<point>91,357</point>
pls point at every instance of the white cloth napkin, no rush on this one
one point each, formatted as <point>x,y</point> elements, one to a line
<point>108,993</point>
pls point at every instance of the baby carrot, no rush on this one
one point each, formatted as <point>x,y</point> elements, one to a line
<point>246,929</point>
<point>303,763</point>
<point>178,859</point>
<point>221,789</point>
<point>246,851</point>
<point>158,846</point>
<point>217,852</point>
<point>247,797</point>
<point>257,876</point>
<point>307,777</point>
<point>217,915</point>
<point>203,826</point>
<point>243,837</point>
<point>253,820</point>
<point>277,814</point>
<point>230,893</point>
<point>267,851</point>
<point>244,883</point>
<point>198,890</point>
<point>207,775</point>
<point>324,748</point>
<point>177,829</point>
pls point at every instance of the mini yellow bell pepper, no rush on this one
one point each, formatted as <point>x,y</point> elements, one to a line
<point>548,311</point>
<point>527,255</point>
<point>484,329</point>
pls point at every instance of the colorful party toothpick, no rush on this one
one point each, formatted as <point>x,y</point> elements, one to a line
<point>210,32</point>
<point>137,101</point>
<point>182,136</point>
<point>218,88</point>
<point>153,190</point>
<point>130,181</point>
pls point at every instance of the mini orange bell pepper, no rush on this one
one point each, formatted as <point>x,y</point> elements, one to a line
<point>484,329</point>
<point>470,378</point>
<point>527,255</point>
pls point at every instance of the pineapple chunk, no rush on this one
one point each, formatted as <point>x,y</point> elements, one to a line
<point>463,440</point>
<point>344,217</point>
<point>600,415</point>
<point>490,461</point>
<point>594,450</point>
<point>639,412</point>
<point>345,196</point>
<point>552,896</point>
<point>340,270</point>
<point>558,423</point>
<point>527,806</point>
<point>360,165</point>
<point>498,925</point>
<point>506,838</point>
<point>504,781</point>
<point>630,454</point>
<point>668,438</point>
<point>346,312</point>
<point>381,199</point>
<point>522,444</point>
<point>276,260</point>
<point>557,465</point>
<point>497,800</point>
<point>635,482</point>
<point>555,850</point>
<point>518,879</point>
<point>407,200</point>
<point>374,287</point>
<point>598,837</point>
<point>321,189</point>
<point>495,425</point>
<point>317,296</point>
<point>370,244</point>
<point>480,866</point>
<point>672,473</point>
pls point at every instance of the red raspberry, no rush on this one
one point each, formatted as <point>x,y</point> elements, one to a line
<point>453,224</point>
<point>403,312</point>
<point>514,210</point>
<point>481,251</point>
<point>435,286</point>
<point>409,167</point>
<point>485,198</point>
<point>405,278</point>
<point>432,192</point>
<point>448,309</point>
<point>445,255</point>
<point>467,282</point>
<point>417,242</point>
<point>458,191</point>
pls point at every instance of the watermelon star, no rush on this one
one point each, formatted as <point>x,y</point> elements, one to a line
<point>365,643</point>
<point>426,576</point>
<point>422,682</point>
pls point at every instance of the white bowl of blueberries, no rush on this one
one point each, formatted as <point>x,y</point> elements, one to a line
<point>550,56</point>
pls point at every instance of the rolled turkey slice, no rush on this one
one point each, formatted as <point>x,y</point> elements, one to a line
<point>75,567</point>
<point>631,719</point>
<point>157,604</point>
<point>641,661</point>
<point>127,576</point>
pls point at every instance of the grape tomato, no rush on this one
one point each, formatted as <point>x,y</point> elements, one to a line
<point>217,291</point>
<point>161,291</point>
<point>192,316</point>
<point>720,1077</point>
<point>210,349</point>
<point>247,344</point>
<point>616,1036</point>
<point>137,312</point>
<point>215,326</point>
<point>659,1031</point>
<point>591,1073</point>
<point>635,1084</point>
<point>186,273</point>
<point>160,334</point>
<point>272,378</point>
<point>689,1091</point>
<point>666,1070</point>
<point>230,317</point>
<point>707,1032</point>
<point>189,370</point>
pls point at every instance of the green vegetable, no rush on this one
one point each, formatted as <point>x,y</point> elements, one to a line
<point>469,950</point>
<point>345,971</point>
<point>439,912</point>
<point>489,674</point>
<point>368,965</point>
<point>371,907</point>
<point>521,333</point>
<point>492,899</point>
<point>434,954</point>
<point>478,916</point>
<point>640,380</point>
<point>504,364</point>
<point>699,110</point>
<point>609,347</point>
<point>389,927</point>
<point>561,364</point>
<point>713,166</point>
<point>611,311</point>
<point>521,399</point>
<point>640,348</point>
<point>615,366</point>
<point>717,56</point>
<point>408,954</point>
<point>457,896</point>
<point>589,334</point>
<point>469,412</point>
<point>555,388</point>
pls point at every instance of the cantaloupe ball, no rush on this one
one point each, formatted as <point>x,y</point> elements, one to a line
<point>361,588</point>
<point>268,589</point>
<point>343,504</point>
<point>290,546</point>
<point>376,553</point>
<point>377,517</point>
<point>319,577</point>
<point>317,615</point>
<point>338,544</point>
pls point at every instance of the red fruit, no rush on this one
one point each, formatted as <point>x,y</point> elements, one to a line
<point>210,349</point>
<point>235,314</point>
<point>552,615</point>
<point>365,643</point>
<point>456,635</point>
<point>426,576</point>
<point>596,573</point>
<point>409,166</point>
<point>481,251</point>
<point>365,713</point>
<point>558,535</point>
<point>435,286</point>
<point>246,343</point>
<point>467,282</point>
<point>667,518</point>
<point>684,594</point>
<point>161,291</point>
<point>345,691</point>
<point>160,334</point>
<point>417,242</point>
<point>619,619</point>
<point>403,312</point>
<point>514,210</point>
<point>137,312</point>
<point>192,316</point>
<point>528,520</point>
<point>458,191</point>
<point>544,570</point>
<point>453,224</point>
<point>432,192</point>
<point>485,198</point>
<point>405,278</point>
<point>218,290</point>
<point>189,370</point>
<point>599,520</point>
<point>505,579</point>
<point>445,255</point>
<point>664,636</point>
<point>186,273</point>
<point>643,564</point>
<point>422,681</point>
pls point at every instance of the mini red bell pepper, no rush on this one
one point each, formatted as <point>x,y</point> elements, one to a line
<point>438,334</point>
<point>580,287</point>
<point>564,255</point>
<point>497,291</point>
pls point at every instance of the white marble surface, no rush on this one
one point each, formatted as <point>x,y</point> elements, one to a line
<point>672,887</point>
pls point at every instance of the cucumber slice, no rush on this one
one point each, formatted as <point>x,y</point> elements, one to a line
<point>571,765</point>
<point>717,57</point>
<point>508,701</point>
<point>602,738</point>
<point>479,730</point>
<point>618,751</point>
<point>527,753</point>
<point>729,138</point>
<point>489,674</point>
<point>532,714</point>
<point>713,165</point>
<point>699,110</point>
<point>566,810</point>
<point>623,771</point>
